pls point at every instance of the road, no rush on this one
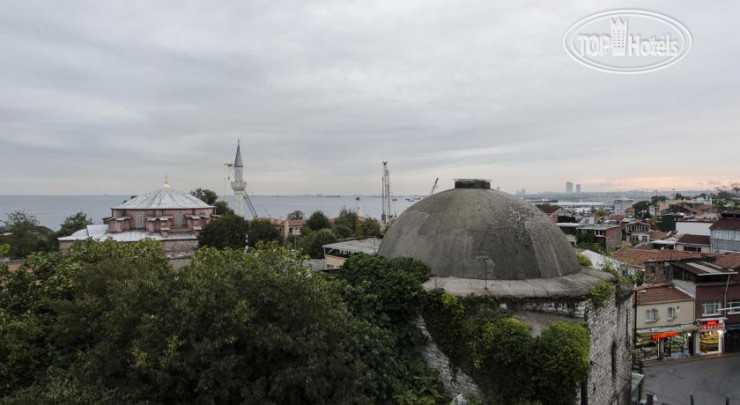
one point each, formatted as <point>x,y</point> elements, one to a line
<point>708,379</point>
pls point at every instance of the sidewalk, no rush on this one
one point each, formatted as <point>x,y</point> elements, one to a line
<point>651,363</point>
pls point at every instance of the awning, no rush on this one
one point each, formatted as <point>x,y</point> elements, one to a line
<point>677,329</point>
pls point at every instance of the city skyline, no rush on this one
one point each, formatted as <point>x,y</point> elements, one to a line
<point>105,99</point>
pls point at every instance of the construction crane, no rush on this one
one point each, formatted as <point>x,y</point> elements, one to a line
<point>434,187</point>
<point>249,204</point>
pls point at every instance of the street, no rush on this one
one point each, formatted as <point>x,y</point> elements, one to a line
<point>710,380</point>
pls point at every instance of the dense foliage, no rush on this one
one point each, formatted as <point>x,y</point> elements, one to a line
<point>312,242</point>
<point>231,231</point>
<point>74,223</point>
<point>24,235</point>
<point>113,323</point>
<point>500,354</point>
<point>583,260</point>
<point>318,221</point>
<point>207,196</point>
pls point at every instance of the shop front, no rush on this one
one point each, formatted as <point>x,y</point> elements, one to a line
<point>665,344</point>
<point>710,339</point>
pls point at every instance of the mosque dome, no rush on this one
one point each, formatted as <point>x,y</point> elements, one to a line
<point>473,232</point>
<point>164,198</point>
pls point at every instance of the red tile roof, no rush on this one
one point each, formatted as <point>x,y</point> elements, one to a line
<point>548,209</point>
<point>693,239</point>
<point>13,266</point>
<point>662,293</point>
<point>657,235</point>
<point>728,260</point>
<point>727,223</point>
<point>640,256</point>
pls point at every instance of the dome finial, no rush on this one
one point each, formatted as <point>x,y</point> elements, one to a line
<point>166,183</point>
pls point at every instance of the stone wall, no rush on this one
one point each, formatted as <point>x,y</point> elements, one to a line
<point>611,334</point>
<point>454,381</point>
<point>570,307</point>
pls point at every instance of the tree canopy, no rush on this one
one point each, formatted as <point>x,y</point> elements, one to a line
<point>113,323</point>
<point>25,235</point>
<point>207,196</point>
<point>318,221</point>
<point>74,223</point>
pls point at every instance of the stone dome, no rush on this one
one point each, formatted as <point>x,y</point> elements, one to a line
<point>474,232</point>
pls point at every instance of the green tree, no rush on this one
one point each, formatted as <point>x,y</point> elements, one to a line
<point>348,219</point>
<point>295,215</point>
<point>641,207</point>
<point>728,197</point>
<point>229,231</point>
<point>113,323</point>
<point>341,231</point>
<point>207,196</point>
<point>260,230</point>
<point>312,243</point>
<point>318,221</point>
<point>24,235</point>
<point>74,223</point>
<point>368,228</point>
<point>656,199</point>
<point>562,361</point>
<point>222,208</point>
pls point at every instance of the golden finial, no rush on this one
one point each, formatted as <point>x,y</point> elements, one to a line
<point>166,183</point>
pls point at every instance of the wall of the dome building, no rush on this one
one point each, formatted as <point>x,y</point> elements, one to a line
<point>611,334</point>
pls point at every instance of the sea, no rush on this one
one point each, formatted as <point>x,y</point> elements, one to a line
<point>51,210</point>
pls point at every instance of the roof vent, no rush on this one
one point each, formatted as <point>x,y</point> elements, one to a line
<point>473,183</point>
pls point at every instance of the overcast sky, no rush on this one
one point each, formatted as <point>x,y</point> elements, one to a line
<point>106,97</point>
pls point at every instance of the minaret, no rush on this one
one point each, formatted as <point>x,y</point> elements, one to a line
<point>387,217</point>
<point>238,184</point>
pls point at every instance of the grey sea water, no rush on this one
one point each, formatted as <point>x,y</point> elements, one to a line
<point>51,210</point>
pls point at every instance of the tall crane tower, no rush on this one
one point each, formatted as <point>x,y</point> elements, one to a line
<point>387,216</point>
<point>434,187</point>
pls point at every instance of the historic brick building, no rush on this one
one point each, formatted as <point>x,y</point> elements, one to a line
<point>172,217</point>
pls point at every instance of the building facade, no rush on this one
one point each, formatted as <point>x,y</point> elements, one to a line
<point>725,233</point>
<point>665,322</point>
<point>171,217</point>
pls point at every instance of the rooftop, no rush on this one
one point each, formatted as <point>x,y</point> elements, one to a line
<point>704,268</point>
<point>474,232</point>
<point>689,239</point>
<point>731,223</point>
<point>164,198</point>
<point>640,256</point>
<point>548,209</point>
<point>598,227</point>
<point>100,233</point>
<point>661,293</point>
<point>368,246</point>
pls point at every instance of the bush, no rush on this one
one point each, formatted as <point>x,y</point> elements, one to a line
<point>583,260</point>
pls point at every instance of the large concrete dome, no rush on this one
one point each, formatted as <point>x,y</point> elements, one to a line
<point>473,232</point>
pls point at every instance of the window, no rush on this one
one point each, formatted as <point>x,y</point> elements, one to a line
<point>735,305</point>
<point>139,221</point>
<point>644,238</point>
<point>671,313</point>
<point>178,220</point>
<point>651,315</point>
<point>710,308</point>
<point>599,232</point>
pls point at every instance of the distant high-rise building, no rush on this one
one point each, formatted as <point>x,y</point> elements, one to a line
<point>568,187</point>
<point>578,188</point>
